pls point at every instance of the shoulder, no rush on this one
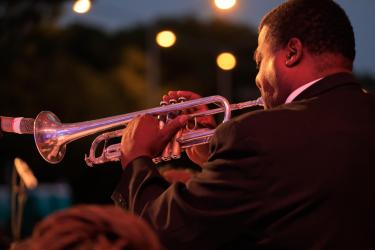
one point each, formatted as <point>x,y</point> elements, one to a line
<point>263,119</point>
<point>258,130</point>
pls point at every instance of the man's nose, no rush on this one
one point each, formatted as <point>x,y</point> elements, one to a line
<point>257,82</point>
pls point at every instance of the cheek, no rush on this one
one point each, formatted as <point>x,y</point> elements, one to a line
<point>266,81</point>
<point>270,73</point>
<point>266,77</point>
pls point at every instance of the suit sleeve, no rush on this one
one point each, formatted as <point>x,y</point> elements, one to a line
<point>212,207</point>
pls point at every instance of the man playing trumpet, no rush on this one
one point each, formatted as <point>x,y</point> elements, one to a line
<point>297,175</point>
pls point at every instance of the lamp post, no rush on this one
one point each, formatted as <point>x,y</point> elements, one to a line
<point>163,39</point>
<point>226,62</point>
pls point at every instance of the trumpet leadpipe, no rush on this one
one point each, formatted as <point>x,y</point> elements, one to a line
<point>232,107</point>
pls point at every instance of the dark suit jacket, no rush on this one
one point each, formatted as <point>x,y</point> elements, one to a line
<point>299,176</point>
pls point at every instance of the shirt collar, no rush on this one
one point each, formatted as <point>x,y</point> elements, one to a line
<point>299,90</point>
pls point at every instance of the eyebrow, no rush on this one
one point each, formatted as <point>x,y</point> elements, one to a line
<point>257,58</point>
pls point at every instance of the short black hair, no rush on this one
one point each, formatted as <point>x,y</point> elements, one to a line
<point>321,25</point>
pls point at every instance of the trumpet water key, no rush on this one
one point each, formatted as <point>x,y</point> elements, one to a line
<point>51,136</point>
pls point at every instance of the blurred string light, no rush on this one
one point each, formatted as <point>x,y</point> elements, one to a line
<point>82,6</point>
<point>226,61</point>
<point>225,4</point>
<point>166,38</point>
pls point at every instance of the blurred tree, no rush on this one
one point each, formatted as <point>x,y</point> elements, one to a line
<point>20,20</point>
<point>191,63</point>
<point>130,74</point>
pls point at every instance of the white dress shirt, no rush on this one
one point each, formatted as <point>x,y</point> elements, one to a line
<point>299,90</point>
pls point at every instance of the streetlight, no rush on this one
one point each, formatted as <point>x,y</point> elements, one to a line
<point>226,62</point>
<point>165,38</point>
<point>225,4</point>
<point>82,6</point>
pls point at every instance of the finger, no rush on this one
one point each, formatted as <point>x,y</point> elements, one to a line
<point>147,119</point>
<point>128,130</point>
<point>207,122</point>
<point>173,127</point>
<point>166,98</point>
<point>188,94</point>
<point>173,94</point>
<point>131,124</point>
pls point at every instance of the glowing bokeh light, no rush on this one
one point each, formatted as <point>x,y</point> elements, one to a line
<point>225,4</point>
<point>82,6</point>
<point>166,38</point>
<point>226,61</point>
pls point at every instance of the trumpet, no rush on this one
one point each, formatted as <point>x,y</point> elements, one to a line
<point>51,136</point>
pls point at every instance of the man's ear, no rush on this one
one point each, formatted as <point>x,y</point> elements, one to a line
<point>294,51</point>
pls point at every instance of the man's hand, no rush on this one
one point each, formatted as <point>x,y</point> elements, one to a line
<point>203,121</point>
<point>142,137</point>
<point>197,154</point>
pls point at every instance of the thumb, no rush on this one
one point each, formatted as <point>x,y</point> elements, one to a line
<point>172,127</point>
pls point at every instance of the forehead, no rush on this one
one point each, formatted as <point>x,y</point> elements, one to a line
<point>262,37</point>
<point>262,42</point>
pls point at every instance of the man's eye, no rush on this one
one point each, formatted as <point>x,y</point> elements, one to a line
<point>258,64</point>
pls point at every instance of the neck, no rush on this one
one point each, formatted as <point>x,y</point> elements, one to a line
<point>321,66</point>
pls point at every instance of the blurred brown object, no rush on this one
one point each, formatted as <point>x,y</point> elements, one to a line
<point>175,175</point>
<point>91,227</point>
